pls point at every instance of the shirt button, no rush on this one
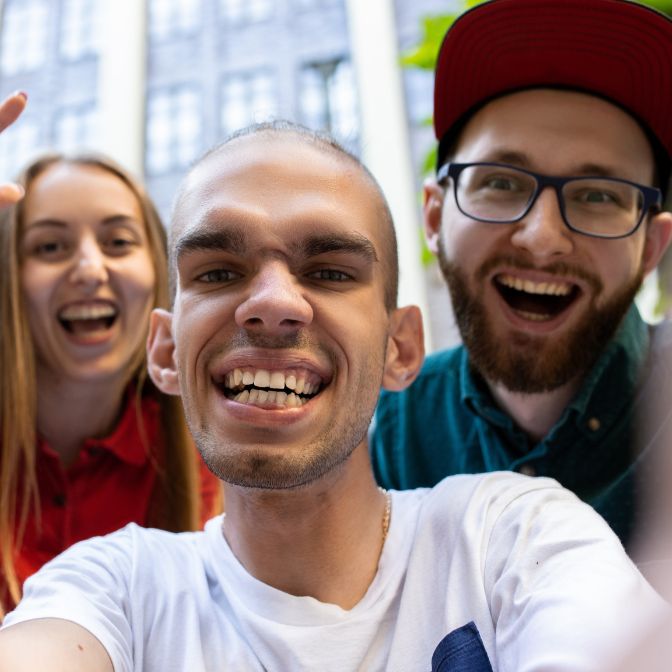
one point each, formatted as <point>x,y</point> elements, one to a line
<point>528,470</point>
<point>594,424</point>
<point>59,500</point>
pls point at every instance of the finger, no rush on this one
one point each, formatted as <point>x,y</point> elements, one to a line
<point>10,194</point>
<point>11,108</point>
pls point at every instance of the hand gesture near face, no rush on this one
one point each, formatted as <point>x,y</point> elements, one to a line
<point>10,109</point>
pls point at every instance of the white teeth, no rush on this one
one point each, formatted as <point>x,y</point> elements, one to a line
<point>262,378</point>
<point>271,386</point>
<point>534,317</point>
<point>94,311</point>
<point>545,288</point>
<point>264,397</point>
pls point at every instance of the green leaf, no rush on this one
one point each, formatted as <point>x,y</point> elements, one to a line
<point>424,54</point>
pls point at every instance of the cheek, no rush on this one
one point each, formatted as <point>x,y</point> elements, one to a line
<point>139,283</point>
<point>619,266</point>
<point>37,285</point>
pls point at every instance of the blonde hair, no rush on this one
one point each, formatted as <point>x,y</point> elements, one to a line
<point>176,498</point>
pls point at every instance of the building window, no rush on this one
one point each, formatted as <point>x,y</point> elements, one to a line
<point>328,99</point>
<point>79,29</point>
<point>76,128</point>
<point>247,98</point>
<point>171,18</point>
<point>17,147</point>
<point>24,36</point>
<point>174,129</point>
<point>245,11</point>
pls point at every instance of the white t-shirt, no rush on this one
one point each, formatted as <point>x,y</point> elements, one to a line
<point>541,575</point>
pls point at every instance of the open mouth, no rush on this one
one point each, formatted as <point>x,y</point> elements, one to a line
<point>536,301</point>
<point>88,318</point>
<point>290,388</point>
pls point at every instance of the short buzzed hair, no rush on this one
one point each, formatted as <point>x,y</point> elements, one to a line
<point>327,143</point>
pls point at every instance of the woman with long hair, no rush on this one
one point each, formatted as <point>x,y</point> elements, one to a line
<point>87,444</point>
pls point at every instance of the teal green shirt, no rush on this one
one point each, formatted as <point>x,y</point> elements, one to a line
<point>448,423</point>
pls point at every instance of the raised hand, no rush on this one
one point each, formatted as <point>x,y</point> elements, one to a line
<point>10,109</point>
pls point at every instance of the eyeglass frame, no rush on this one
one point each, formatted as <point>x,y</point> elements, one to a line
<point>653,197</point>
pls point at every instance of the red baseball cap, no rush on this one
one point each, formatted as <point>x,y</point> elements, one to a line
<point>615,49</point>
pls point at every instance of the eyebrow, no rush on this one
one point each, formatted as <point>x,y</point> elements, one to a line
<point>353,243</point>
<point>231,240</point>
<point>521,160</point>
<point>107,221</point>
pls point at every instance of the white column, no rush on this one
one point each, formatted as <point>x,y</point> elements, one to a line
<point>121,82</point>
<point>384,138</point>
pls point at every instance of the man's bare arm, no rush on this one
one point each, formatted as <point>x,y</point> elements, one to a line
<point>51,645</point>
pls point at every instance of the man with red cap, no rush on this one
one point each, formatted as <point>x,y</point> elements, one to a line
<point>555,137</point>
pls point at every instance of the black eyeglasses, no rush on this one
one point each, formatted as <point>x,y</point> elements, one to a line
<point>603,207</point>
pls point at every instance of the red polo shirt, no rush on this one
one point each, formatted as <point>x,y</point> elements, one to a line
<point>109,485</point>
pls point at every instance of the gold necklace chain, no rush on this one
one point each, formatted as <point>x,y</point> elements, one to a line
<point>386,513</point>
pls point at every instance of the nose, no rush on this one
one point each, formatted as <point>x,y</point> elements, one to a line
<point>543,232</point>
<point>275,303</point>
<point>90,268</point>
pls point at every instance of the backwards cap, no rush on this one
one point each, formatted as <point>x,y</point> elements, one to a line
<point>619,50</point>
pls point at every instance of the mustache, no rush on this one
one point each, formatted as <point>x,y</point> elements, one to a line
<point>298,341</point>
<point>561,268</point>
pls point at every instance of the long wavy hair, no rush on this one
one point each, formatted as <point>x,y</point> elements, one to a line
<point>176,498</point>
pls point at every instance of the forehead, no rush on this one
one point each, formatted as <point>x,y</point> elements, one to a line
<point>278,187</point>
<point>557,128</point>
<point>57,191</point>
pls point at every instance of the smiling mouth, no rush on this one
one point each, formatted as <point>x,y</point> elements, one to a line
<point>536,301</point>
<point>84,319</point>
<point>261,387</point>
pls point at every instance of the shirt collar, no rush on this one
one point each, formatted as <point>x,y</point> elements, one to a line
<point>606,389</point>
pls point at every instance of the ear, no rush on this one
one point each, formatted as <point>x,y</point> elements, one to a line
<point>658,236</point>
<point>405,348</point>
<point>161,352</point>
<point>433,195</point>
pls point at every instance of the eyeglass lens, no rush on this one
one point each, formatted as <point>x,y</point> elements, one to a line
<point>600,206</point>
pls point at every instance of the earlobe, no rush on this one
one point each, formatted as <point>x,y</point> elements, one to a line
<point>431,212</point>
<point>161,352</point>
<point>658,237</point>
<point>405,348</point>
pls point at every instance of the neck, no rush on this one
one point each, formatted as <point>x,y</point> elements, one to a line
<point>322,540</point>
<point>537,413</point>
<point>69,412</point>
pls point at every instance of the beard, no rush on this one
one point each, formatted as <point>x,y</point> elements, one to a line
<point>528,363</point>
<point>263,463</point>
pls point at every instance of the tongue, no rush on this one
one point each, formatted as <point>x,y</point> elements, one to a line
<point>87,326</point>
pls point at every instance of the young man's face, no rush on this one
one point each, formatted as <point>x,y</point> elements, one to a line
<point>535,301</point>
<point>280,326</point>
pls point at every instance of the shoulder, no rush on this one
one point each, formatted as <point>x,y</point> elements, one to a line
<point>488,496</point>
